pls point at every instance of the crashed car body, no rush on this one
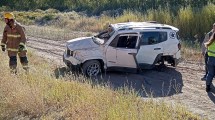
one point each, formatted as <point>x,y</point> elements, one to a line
<point>130,46</point>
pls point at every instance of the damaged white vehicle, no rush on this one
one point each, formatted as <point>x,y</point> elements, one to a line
<point>127,47</point>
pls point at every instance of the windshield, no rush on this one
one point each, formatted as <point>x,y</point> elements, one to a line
<point>98,40</point>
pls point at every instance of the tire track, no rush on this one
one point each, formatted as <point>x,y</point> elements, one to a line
<point>48,46</point>
<point>46,41</point>
<point>45,50</point>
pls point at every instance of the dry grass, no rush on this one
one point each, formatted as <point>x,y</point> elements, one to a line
<point>41,95</point>
<point>54,33</point>
<point>191,51</point>
<point>1,28</point>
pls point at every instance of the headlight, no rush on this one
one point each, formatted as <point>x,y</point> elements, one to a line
<point>69,52</point>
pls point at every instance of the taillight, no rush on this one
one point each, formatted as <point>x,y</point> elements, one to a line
<point>179,46</point>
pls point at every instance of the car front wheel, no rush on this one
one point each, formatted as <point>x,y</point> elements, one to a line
<point>91,68</point>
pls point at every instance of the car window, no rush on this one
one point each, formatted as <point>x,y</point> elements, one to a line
<point>125,41</point>
<point>150,38</point>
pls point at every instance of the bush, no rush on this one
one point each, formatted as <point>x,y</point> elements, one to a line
<point>38,10</point>
<point>5,8</point>
<point>50,10</point>
<point>45,19</point>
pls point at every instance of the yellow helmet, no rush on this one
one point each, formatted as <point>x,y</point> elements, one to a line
<point>9,15</point>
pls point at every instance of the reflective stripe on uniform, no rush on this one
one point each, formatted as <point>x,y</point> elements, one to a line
<point>25,66</point>
<point>22,43</point>
<point>211,53</point>
<point>25,49</point>
<point>13,36</point>
<point>3,44</point>
<point>211,50</point>
<point>12,49</point>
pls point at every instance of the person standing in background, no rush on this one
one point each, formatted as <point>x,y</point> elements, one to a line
<point>204,50</point>
<point>13,41</point>
<point>210,45</point>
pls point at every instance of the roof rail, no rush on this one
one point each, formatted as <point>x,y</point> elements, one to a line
<point>131,28</point>
<point>151,21</point>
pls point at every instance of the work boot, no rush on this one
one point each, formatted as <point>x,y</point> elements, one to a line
<point>13,71</point>
<point>203,78</point>
<point>26,68</point>
<point>208,88</point>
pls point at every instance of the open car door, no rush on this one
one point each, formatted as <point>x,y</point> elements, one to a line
<point>122,51</point>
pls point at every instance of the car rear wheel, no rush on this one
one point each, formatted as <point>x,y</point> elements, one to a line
<point>91,68</point>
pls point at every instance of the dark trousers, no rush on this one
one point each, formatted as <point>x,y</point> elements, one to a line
<point>13,62</point>
<point>211,70</point>
<point>206,62</point>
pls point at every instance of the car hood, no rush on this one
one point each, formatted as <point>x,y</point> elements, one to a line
<point>81,43</point>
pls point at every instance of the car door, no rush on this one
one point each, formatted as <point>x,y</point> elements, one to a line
<point>122,51</point>
<point>151,46</point>
<point>126,50</point>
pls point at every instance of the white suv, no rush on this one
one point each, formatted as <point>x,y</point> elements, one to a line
<point>129,47</point>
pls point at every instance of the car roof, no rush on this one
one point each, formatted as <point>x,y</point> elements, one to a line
<point>142,25</point>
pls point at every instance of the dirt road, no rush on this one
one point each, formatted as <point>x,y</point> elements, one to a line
<point>180,85</point>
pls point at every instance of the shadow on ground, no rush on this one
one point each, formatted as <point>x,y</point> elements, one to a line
<point>65,71</point>
<point>147,83</point>
<point>211,94</point>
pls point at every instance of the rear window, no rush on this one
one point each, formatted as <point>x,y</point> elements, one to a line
<point>150,38</point>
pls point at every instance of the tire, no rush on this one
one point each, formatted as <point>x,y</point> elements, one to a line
<point>91,68</point>
<point>160,68</point>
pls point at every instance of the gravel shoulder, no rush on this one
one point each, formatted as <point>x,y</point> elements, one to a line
<point>180,85</point>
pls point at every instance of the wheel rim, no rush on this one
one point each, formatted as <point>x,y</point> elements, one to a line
<point>93,69</point>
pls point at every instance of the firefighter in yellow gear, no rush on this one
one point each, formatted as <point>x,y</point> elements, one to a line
<point>14,41</point>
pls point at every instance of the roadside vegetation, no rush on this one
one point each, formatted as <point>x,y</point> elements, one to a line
<point>193,18</point>
<point>43,94</point>
<point>99,6</point>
